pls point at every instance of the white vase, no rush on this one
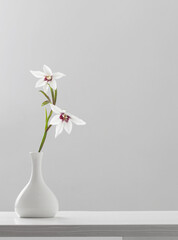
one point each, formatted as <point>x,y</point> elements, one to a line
<point>36,200</point>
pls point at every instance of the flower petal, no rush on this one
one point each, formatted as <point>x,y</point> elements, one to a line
<point>56,109</point>
<point>37,74</point>
<point>55,120</point>
<point>53,84</point>
<point>40,83</point>
<point>68,126</point>
<point>47,70</point>
<point>59,129</point>
<point>58,75</point>
<point>45,88</point>
<point>76,120</point>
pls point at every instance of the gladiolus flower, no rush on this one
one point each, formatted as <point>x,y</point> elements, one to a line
<point>47,78</point>
<point>64,120</point>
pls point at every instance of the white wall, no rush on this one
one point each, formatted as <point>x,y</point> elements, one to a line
<point>121,59</point>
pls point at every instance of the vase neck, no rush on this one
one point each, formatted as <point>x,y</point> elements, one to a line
<point>36,173</point>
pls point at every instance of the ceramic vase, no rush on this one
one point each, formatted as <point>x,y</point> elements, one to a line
<point>36,200</point>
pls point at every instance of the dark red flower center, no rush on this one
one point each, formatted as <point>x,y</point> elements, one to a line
<point>48,78</point>
<point>64,117</point>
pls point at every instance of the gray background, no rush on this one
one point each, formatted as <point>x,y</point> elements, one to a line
<point>120,58</point>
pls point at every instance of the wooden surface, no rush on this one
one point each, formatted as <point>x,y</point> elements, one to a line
<point>91,223</point>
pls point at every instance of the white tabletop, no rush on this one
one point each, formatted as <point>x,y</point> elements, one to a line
<point>91,223</point>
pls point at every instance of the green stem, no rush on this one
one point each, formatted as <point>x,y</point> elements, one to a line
<point>44,138</point>
<point>43,141</point>
<point>47,120</point>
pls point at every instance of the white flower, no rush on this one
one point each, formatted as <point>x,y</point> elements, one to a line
<point>47,78</point>
<point>64,120</point>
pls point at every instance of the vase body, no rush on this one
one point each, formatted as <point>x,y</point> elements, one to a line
<point>36,200</point>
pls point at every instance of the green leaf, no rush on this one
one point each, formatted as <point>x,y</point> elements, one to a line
<point>52,94</point>
<point>45,103</point>
<point>46,114</point>
<point>51,112</point>
<point>55,96</point>
<point>45,95</point>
